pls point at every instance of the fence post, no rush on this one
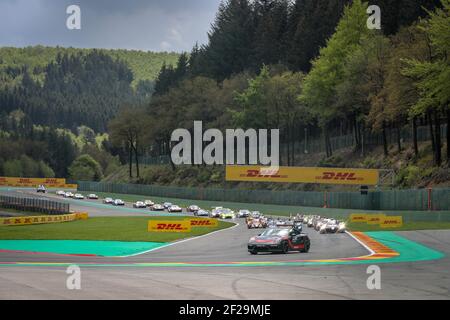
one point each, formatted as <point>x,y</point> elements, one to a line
<point>325,200</point>
<point>430,201</point>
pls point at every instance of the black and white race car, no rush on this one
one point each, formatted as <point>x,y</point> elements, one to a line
<point>279,240</point>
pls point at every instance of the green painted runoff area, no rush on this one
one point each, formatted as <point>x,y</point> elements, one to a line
<point>80,247</point>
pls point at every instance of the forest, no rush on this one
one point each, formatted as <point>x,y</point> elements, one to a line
<point>301,66</point>
<point>55,104</point>
<point>310,65</point>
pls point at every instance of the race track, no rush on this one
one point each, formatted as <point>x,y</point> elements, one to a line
<point>406,280</point>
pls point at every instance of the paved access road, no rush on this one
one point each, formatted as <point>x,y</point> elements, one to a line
<point>418,280</point>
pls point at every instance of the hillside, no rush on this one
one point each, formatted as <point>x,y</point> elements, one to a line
<point>410,171</point>
<point>144,65</point>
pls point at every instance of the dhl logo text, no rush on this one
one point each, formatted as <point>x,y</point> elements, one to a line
<point>171,226</point>
<point>263,174</point>
<point>349,176</point>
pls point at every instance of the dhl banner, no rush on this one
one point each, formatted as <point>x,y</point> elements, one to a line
<point>375,218</point>
<point>22,221</point>
<point>169,226</point>
<point>303,175</point>
<point>82,216</point>
<point>356,217</point>
<point>391,222</point>
<point>202,222</point>
<point>34,182</point>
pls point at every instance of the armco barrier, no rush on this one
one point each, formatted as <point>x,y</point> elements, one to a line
<point>27,204</point>
<point>410,200</point>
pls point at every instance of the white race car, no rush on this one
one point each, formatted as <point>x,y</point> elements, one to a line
<point>108,200</point>
<point>157,207</point>
<point>78,196</point>
<point>68,195</point>
<point>139,205</point>
<point>243,213</point>
<point>93,196</point>
<point>118,202</point>
<point>174,208</point>
<point>60,193</point>
<point>149,203</point>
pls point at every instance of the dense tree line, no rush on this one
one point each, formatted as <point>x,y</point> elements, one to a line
<point>247,34</point>
<point>312,65</point>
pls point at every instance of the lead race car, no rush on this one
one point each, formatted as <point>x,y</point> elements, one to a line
<point>279,240</point>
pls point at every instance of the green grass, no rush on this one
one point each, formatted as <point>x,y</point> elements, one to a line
<point>102,228</point>
<point>407,226</point>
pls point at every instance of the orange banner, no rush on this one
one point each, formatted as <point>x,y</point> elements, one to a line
<point>303,175</point>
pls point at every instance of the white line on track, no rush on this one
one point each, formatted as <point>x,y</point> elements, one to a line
<point>361,243</point>
<point>178,242</point>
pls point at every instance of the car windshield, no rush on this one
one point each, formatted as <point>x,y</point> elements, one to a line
<point>275,232</point>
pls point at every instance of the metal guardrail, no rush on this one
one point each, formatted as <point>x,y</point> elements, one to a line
<point>34,205</point>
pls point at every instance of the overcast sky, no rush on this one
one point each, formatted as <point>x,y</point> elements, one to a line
<point>157,25</point>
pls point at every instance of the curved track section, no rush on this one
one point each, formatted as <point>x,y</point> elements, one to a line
<point>302,276</point>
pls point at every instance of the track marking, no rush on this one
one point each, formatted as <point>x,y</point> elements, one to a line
<point>404,251</point>
<point>180,241</point>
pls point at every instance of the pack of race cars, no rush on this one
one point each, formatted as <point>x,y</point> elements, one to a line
<point>286,234</point>
<point>280,235</point>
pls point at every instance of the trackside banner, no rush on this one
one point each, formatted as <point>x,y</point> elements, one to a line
<point>303,175</point>
<point>169,226</point>
<point>202,222</point>
<point>22,221</point>
<point>391,222</point>
<point>357,217</point>
<point>34,182</point>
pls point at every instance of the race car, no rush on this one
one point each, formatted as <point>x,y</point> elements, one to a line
<point>201,213</point>
<point>215,212</point>
<point>78,196</point>
<point>157,207</point>
<point>174,208</point>
<point>328,227</point>
<point>60,193</point>
<point>285,223</point>
<point>139,205</point>
<point>92,196</point>
<point>118,202</point>
<point>227,214</point>
<point>255,214</point>
<point>108,200</point>
<point>41,189</point>
<point>342,227</point>
<point>279,240</point>
<point>149,203</point>
<point>166,205</point>
<point>193,208</point>
<point>68,195</point>
<point>256,223</point>
<point>243,213</point>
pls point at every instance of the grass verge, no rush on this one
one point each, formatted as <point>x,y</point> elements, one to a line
<point>103,228</point>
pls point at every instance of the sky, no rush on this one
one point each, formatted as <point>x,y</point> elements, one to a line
<point>154,25</point>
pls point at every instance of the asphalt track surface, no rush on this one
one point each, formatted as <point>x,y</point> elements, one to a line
<point>412,280</point>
